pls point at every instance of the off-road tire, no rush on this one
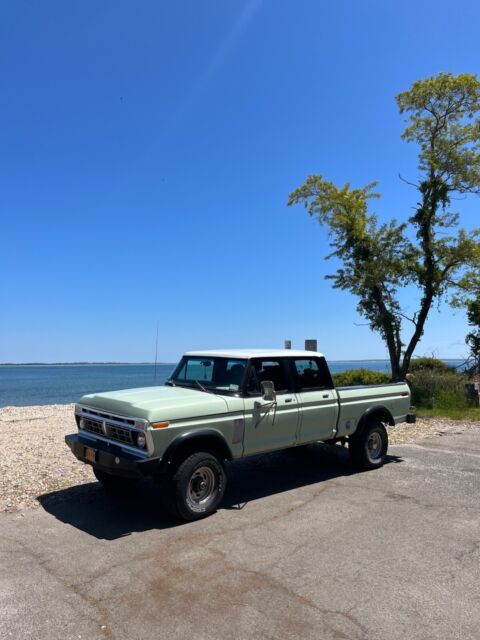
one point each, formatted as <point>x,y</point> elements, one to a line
<point>196,488</point>
<point>117,485</point>
<point>369,448</point>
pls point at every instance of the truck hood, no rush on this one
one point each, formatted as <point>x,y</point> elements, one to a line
<point>157,403</point>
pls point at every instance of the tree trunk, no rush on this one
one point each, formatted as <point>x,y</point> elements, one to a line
<point>391,332</point>
<point>415,339</point>
<point>395,365</point>
<point>432,196</point>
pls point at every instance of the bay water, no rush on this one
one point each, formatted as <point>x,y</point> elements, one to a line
<point>25,385</point>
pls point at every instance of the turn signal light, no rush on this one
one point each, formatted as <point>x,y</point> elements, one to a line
<point>159,425</point>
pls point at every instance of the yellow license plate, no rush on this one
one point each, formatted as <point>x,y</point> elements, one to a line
<point>90,454</point>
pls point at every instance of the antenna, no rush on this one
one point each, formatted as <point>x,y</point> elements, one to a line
<point>156,354</point>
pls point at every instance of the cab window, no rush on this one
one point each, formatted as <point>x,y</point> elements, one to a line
<point>262,370</point>
<point>312,374</point>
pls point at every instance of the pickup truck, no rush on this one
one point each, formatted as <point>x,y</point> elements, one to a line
<point>219,406</point>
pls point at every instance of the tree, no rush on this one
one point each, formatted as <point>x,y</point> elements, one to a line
<point>473,337</point>
<point>428,251</point>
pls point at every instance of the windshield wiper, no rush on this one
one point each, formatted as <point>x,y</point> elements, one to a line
<point>197,382</point>
<point>170,383</point>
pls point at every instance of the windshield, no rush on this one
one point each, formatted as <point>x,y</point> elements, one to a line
<point>213,374</point>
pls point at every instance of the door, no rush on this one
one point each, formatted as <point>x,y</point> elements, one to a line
<point>269,425</point>
<point>317,399</point>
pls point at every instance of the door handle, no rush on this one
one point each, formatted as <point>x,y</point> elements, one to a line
<point>288,400</point>
<point>325,395</point>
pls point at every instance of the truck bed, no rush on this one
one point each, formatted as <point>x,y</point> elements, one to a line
<point>354,401</point>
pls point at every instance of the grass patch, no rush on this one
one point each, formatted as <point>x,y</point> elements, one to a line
<point>439,390</point>
<point>454,413</point>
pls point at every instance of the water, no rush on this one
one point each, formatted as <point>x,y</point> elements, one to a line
<point>59,384</point>
<point>22,385</point>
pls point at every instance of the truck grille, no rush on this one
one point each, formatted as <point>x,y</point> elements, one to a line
<point>119,434</point>
<point>125,436</point>
<point>93,426</point>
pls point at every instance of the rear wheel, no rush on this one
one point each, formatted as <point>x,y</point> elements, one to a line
<point>369,448</point>
<point>196,488</point>
<point>114,484</point>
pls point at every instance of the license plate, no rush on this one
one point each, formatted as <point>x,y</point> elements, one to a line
<point>90,454</point>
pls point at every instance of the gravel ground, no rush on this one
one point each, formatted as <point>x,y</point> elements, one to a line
<point>35,460</point>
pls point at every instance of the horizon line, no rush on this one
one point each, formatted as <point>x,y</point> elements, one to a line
<point>123,362</point>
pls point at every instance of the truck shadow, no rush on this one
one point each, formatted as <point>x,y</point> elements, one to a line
<point>260,476</point>
<point>89,508</point>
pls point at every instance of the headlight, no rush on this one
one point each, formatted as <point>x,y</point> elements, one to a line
<point>141,440</point>
<point>81,423</point>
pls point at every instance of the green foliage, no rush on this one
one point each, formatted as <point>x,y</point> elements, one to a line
<point>374,257</point>
<point>437,389</point>
<point>441,115</point>
<point>468,297</point>
<point>429,364</point>
<point>434,389</point>
<point>473,337</point>
<point>379,259</point>
<point>353,377</point>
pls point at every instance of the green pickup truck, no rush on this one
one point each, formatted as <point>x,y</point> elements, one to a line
<point>219,406</point>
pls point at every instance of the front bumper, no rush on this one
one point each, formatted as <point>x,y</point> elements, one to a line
<point>112,458</point>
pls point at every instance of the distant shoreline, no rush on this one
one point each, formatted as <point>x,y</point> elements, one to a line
<point>90,364</point>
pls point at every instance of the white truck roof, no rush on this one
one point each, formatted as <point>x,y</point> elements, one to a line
<point>255,353</point>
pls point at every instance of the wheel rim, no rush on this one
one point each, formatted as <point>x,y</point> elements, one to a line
<point>201,487</point>
<point>374,445</point>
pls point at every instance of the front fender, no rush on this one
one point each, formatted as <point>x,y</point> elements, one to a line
<point>198,439</point>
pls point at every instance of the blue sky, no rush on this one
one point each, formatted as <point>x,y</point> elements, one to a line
<point>148,150</point>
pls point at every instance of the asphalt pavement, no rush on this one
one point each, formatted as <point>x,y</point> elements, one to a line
<point>302,547</point>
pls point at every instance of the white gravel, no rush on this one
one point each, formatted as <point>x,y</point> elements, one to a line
<point>34,459</point>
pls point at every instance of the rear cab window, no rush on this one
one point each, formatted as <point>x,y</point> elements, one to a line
<point>311,374</point>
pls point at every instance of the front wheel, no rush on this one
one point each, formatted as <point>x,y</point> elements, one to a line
<point>196,488</point>
<point>369,448</point>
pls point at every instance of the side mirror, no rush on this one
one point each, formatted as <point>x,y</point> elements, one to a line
<point>268,391</point>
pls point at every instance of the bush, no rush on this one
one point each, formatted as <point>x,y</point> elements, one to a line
<point>434,385</point>
<point>432,389</point>
<point>429,364</point>
<point>354,377</point>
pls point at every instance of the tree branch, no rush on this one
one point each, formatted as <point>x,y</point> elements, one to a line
<point>412,320</point>
<point>412,184</point>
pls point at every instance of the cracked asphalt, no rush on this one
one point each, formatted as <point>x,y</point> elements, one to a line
<point>301,548</point>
